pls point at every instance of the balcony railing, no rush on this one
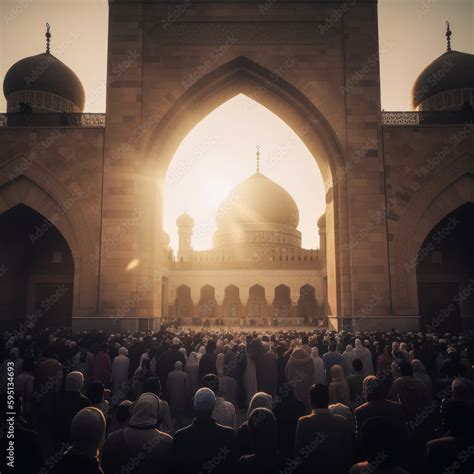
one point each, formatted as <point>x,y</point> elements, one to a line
<point>414,119</point>
<point>52,120</point>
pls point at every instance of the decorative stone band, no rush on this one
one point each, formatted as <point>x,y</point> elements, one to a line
<point>52,119</point>
<point>257,236</point>
<point>401,118</point>
<point>449,100</point>
<point>40,101</point>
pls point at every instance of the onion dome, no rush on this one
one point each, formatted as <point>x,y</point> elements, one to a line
<point>322,221</point>
<point>43,83</point>
<point>258,200</point>
<point>185,221</point>
<point>447,83</point>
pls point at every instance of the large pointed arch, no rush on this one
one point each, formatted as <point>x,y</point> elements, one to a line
<point>241,75</point>
<point>39,190</point>
<point>450,187</point>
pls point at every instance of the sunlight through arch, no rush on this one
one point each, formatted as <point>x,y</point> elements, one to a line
<point>219,153</point>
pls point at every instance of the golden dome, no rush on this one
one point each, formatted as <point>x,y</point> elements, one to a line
<point>257,200</point>
<point>185,221</point>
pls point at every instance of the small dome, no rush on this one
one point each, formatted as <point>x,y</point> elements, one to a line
<point>185,221</point>
<point>258,200</point>
<point>452,71</point>
<point>41,81</point>
<point>166,239</point>
<point>322,221</point>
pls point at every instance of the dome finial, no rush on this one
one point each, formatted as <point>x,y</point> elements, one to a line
<point>48,38</point>
<point>448,36</point>
<point>258,158</point>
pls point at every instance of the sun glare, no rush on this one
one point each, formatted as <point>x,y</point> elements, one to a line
<point>220,152</point>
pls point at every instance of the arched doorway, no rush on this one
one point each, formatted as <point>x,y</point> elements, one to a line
<point>257,303</point>
<point>37,271</point>
<point>243,76</point>
<point>232,307</point>
<point>184,307</point>
<point>282,307</point>
<point>307,304</point>
<point>207,307</point>
<point>445,273</point>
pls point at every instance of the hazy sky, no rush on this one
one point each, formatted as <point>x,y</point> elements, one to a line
<point>213,157</point>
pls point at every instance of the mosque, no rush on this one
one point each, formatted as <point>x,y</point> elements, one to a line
<point>82,242</point>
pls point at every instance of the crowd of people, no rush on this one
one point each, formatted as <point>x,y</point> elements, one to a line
<point>189,400</point>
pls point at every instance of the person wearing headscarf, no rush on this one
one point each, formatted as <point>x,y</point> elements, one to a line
<point>83,362</point>
<point>419,372</point>
<point>220,364</point>
<point>178,393</point>
<point>121,416</point>
<point>299,373</point>
<point>266,458</point>
<point>120,367</point>
<point>228,388</point>
<point>319,370</point>
<point>345,411</point>
<point>330,358</point>
<point>259,400</point>
<point>192,370</point>
<point>410,392</point>
<point>153,385</point>
<point>404,351</point>
<point>204,445</point>
<point>364,354</point>
<point>287,411</point>
<point>348,355</point>
<point>338,387</point>
<point>67,404</point>
<point>87,434</point>
<point>267,371</point>
<point>101,369</point>
<point>130,442</point>
<point>224,412</point>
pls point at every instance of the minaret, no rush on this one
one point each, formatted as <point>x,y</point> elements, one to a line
<point>185,225</point>
<point>258,158</point>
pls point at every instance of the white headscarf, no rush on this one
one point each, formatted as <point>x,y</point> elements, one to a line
<point>145,411</point>
<point>74,382</point>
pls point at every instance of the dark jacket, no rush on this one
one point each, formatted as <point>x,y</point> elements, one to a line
<point>390,411</point>
<point>324,443</point>
<point>204,446</point>
<point>74,464</point>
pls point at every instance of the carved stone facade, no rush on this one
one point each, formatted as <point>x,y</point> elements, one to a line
<point>387,181</point>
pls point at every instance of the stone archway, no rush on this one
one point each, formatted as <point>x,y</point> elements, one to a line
<point>282,307</point>
<point>37,288</point>
<point>48,197</point>
<point>449,189</point>
<point>241,75</point>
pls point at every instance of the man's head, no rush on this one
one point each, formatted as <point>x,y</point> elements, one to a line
<point>211,381</point>
<point>373,388</point>
<point>204,402</point>
<point>319,395</point>
<point>211,347</point>
<point>357,365</point>
<point>332,346</point>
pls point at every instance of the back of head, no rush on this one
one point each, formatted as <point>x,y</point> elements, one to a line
<point>260,400</point>
<point>373,388</point>
<point>333,345</point>
<point>87,431</point>
<point>357,365</point>
<point>204,402</point>
<point>123,411</point>
<point>145,411</point>
<point>95,392</point>
<point>406,369</point>
<point>463,389</point>
<point>211,346</point>
<point>74,382</point>
<point>152,385</point>
<point>319,395</point>
<point>211,381</point>
<point>262,427</point>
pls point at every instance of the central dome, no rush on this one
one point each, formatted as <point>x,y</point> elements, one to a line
<point>257,200</point>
